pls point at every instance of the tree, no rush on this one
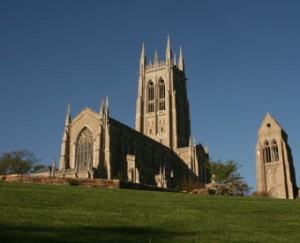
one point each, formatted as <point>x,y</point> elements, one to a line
<point>226,180</point>
<point>17,162</point>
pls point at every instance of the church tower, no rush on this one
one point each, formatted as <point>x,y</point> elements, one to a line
<point>162,109</point>
<point>275,176</point>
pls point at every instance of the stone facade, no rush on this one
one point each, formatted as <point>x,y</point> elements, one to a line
<point>275,176</point>
<point>159,152</point>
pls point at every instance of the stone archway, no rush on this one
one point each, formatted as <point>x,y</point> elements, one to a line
<point>273,193</point>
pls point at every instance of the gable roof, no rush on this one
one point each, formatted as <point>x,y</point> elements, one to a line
<point>86,111</point>
<point>269,124</point>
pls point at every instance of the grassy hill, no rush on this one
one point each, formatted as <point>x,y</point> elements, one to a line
<point>48,213</point>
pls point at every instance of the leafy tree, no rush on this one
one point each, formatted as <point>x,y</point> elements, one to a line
<point>226,180</point>
<point>17,162</point>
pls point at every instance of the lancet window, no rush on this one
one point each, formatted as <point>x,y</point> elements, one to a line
<point>162,95</point>
<point>150,91</point>
<point>161,86</point>
<point>275,151</point>
<point>162,105</point>
<point>271,152</point>
<point>267,152</point>
<point>150,107</point>
<point>84,149</point>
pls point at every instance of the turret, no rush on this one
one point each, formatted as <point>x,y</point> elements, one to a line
<point>168,52</point>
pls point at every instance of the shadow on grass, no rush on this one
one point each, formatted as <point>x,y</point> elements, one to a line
<point>88,234</point>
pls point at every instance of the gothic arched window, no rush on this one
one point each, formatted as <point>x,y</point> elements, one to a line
<point>275,155</point>
<point>162,95</point>
<point>161,85</point>
<point>84,149</point>
<point>267,152</point>
<point>150,91</point>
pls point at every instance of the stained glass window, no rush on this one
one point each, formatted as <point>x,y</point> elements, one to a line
<point>84,149</point>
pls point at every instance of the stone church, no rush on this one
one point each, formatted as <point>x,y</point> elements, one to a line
<point>275,175</point>
<point>159,152</point>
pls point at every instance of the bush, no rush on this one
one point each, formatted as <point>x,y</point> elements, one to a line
<point>74,182</point>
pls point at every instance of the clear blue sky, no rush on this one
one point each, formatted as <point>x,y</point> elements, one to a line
<point>242,60</point>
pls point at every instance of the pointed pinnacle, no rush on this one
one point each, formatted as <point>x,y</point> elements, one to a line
<point>168,41</point>
<point>168,52</point>
<point>68,116</point>
<point>101,106</point>
<point>180,61</point>
<point>143,51</point>
<point>106,102</point>
<point>69,109</point>
<point>155,58</point>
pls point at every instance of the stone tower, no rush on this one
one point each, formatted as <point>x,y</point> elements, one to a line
<point>275,176</point>
<point>162,109</point>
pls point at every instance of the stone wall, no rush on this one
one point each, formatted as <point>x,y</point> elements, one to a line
<point>101,183</point>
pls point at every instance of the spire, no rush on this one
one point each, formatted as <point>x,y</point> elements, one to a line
<point>181,61</point>
<point>174,61</point>
<point>155,59</point>
<point>68,116</point>
<point>168,52</point>
<point>64,158</point>
<point>106,107</point>
<point>143,50</point>
<point>102,107</point>
<point>106,102</point>
<point>143,59</point>
<point>69,108</point>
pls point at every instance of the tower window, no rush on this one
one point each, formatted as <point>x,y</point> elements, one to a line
<point>162,105</point>
<point>150,91</point>
<point>161,89</point>
<point>150,107</point>
<point>267,152</point>
<point>275,151</point>
<point>161,95</point>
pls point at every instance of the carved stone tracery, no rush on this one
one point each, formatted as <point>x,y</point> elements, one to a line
<point>84,150</point>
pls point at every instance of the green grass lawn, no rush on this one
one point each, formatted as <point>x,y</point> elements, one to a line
<point>49,213</point>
